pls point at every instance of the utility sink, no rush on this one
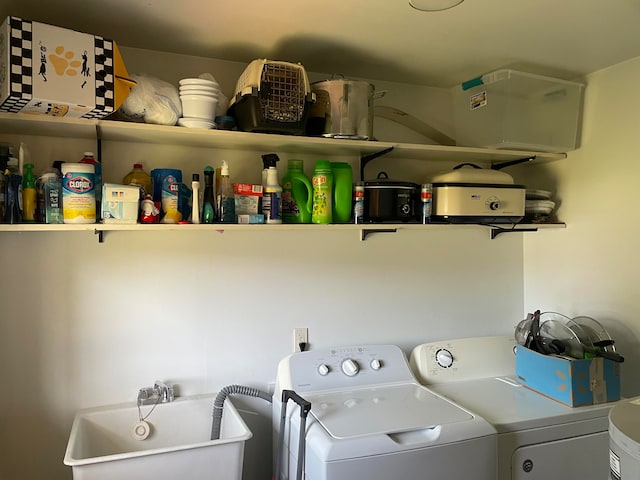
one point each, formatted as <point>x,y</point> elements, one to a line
<point>105,444</point>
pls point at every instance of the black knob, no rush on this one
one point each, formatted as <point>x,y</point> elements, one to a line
<point>494,205</point>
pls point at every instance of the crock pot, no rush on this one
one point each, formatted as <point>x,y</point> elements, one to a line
<point>387,200</point>
<point>477,195</point>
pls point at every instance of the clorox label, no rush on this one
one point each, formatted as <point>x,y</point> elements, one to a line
<point>78,184</point>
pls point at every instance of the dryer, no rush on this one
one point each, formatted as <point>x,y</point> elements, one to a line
<point>537,437</point>
<point>370,418</point>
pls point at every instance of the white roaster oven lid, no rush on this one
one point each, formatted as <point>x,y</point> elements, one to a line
<point>388,409</point>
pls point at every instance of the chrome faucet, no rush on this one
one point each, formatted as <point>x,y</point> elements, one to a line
<point>160,393</point>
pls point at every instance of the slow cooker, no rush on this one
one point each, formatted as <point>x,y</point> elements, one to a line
<point>388,200</point>
<point>470,194</point>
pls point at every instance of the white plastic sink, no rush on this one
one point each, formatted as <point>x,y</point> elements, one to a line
<point>102,445</point>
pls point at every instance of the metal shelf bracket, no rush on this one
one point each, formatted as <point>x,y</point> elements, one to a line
<point>495,231</point>
<point>499,165</point>
<point>365,232</point>
<point>367,158</point>
<point>100,234</point>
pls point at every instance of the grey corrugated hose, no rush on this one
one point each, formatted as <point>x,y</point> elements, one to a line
<point>218,403</point>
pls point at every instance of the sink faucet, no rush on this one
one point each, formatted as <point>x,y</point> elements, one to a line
<point>165,391</point>
<point>160,393</point>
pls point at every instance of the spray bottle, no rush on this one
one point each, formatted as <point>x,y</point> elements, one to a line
<point>268,160</point>
<point>226,197</point>
<point>29,196</point>
<point>272,198</point>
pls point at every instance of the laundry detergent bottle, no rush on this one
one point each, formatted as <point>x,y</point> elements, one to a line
<point>342,191</point>
<point>297,194</point>
<point>322,182</point>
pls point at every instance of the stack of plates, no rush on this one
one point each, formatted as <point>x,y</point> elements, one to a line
<point>199,98</point>
<point>538,205</point>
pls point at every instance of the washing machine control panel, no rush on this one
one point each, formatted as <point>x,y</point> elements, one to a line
<point>342,367</point>
<point>463,359</point>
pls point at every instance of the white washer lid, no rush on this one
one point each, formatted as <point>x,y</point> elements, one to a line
<point>509,406</point>
<point>381,410</point>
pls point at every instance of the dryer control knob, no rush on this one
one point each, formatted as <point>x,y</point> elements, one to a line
<point>350,368</point>
<point>375,364</point>
<point>323,369</point>
<point>444,358</point>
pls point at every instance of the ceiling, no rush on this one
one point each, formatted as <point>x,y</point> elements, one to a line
<point>374,39</point>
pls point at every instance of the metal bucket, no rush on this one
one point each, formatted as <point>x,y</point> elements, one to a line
<point>343,109</point>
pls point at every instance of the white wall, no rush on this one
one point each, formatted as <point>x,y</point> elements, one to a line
<point>86,324</point>
<point>593,267</point>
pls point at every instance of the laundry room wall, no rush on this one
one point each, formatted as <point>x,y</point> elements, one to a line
<point>592,268</point>
<point>87,324</point>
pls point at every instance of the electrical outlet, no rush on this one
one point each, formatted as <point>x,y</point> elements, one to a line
<point>300,335</point>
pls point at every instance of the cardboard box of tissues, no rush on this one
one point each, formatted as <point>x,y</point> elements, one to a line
<point>120,203</point>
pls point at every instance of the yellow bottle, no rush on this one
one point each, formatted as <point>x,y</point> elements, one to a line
<point>29,197</point>
<point>138,177</point>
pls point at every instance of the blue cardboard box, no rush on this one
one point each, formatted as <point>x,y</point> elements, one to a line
<point>572,382</point>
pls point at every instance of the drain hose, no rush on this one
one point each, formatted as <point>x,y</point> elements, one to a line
<point>218,404</point>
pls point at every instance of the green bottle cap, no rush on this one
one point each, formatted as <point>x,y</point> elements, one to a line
<point>295,163</point>
<point>323,165</point>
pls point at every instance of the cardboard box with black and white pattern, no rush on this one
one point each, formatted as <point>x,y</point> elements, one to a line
<point>59,72</point>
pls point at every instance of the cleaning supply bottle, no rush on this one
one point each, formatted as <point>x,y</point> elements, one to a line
<point>342,189</point>
<point>49,189</point>
<point>13,196</point>
<point>138,177</point>
<point>322,182</point>
<point>29,196</point>
<point>208,202</point>
<point>297,194</point>
<point>272,198</point>
<point>268,160</point>
<point>225,197</point>
<point>5,154</point>
<point>97,169</point>
<point>195,198</point>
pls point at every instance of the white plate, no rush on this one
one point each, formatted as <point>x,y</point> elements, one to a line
<point>199,88</point>
<point>538,195</point>
<point>202,93</point>
<point>198,81</point>
<point>540,207</point>
<point>195,123</point>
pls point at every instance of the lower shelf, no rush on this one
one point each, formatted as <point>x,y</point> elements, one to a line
<point>364,230</point>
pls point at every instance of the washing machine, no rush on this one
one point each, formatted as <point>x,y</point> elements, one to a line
<point>537,437</point>
<point>624,440</point>
<point>370,418</point>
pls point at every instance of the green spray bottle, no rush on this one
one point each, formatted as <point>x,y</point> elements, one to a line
<point>297,194</point>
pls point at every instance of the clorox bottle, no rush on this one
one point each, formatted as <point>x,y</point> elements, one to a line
<point>297,194</point>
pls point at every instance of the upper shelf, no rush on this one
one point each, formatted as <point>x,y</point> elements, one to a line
<point>109,130</point>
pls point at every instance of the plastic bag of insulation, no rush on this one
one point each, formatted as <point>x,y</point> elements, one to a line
<point>153,101</point>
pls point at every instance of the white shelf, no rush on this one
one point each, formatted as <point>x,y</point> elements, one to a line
<point>109,130</point>
<point>116,131</point>
<point>363,230</point>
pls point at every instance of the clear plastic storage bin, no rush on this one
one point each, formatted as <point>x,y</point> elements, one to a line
<point>515,110</point>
